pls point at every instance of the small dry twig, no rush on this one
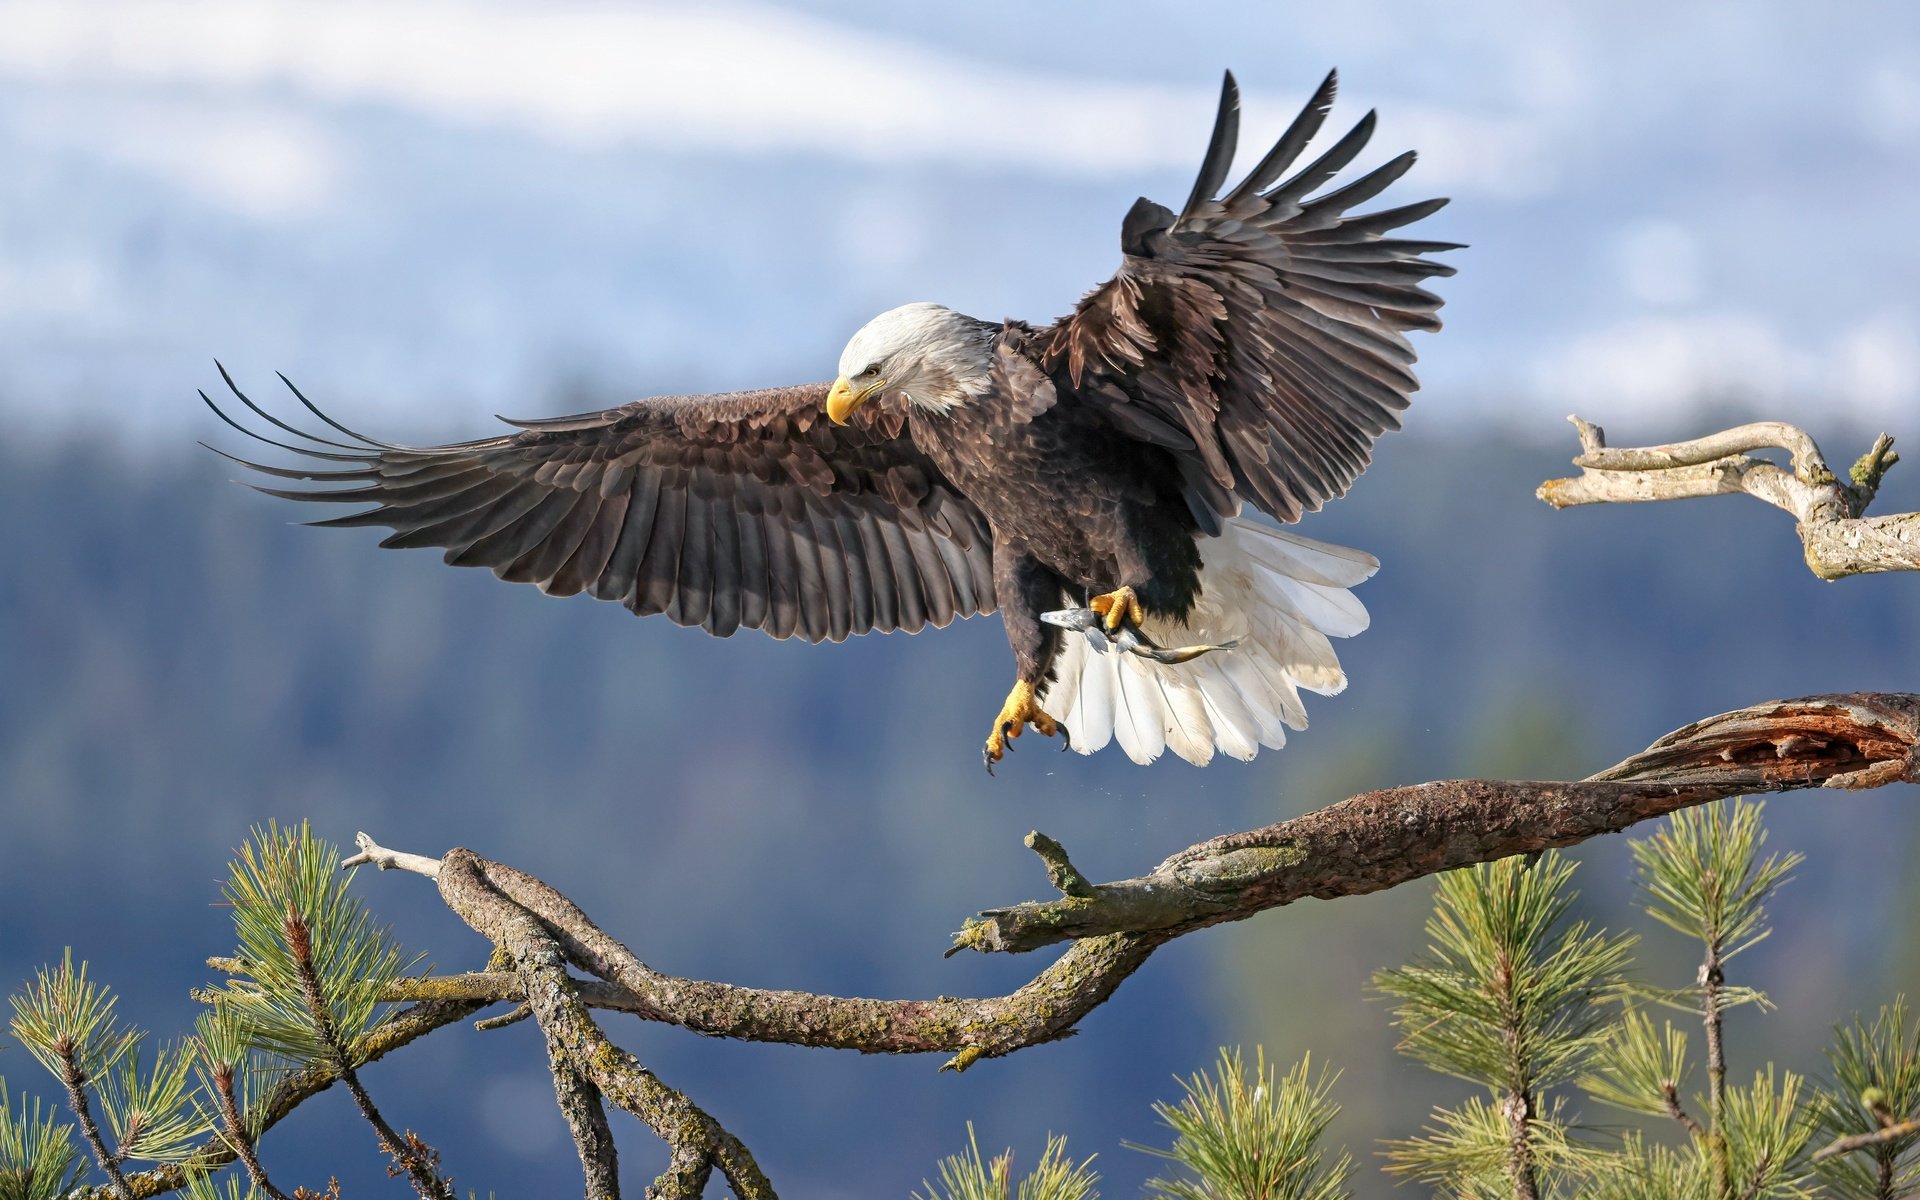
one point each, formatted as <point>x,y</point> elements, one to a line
<point>1866,1141</point>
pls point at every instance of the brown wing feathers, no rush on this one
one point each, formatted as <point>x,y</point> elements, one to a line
<point>1264,325</point>
<point>738,510</point>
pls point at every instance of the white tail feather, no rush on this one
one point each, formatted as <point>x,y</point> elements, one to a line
<point>1281,596</point>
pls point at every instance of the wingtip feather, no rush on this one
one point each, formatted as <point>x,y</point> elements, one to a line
<point>1220,146</point>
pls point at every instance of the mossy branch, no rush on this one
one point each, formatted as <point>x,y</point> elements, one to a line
<point>1383,839</point>
<point>697,1142</point>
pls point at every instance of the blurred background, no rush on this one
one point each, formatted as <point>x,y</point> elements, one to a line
<point>425,212</point>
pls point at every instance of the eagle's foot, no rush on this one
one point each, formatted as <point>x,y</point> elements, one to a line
<point>1016,714</point>
<point>1118,606</point>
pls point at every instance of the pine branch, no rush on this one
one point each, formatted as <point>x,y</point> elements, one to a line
<point>397,1030</point>
<point>1865,1106</point>
<point>1370,842</point>
<point>408,1153</point>
<point>1704,876</point>
<point>1506,997</point>
<point>235,1128</point>
<point>1712,978</point>
<point>1868,1141</point>
<point>75,1081</point>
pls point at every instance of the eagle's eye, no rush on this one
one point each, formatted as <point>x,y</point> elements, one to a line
<point>872,370</point>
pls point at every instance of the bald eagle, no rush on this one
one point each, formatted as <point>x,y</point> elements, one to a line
<point>1250,349</point>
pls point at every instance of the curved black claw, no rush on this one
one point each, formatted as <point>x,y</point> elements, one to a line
<point>986,756</point>
<point>1066,737</point>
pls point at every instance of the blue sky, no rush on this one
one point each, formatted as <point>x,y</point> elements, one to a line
<point>427,211</point>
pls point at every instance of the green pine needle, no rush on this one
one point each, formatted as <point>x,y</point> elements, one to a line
<point>1703,875</point>
<point>234,1186</point>
<point>1640,1070</point>
<point>1768,1130</point>
<point>971,1176</point>
<point>1880,1057</point>
<point>38,1159</point>
<point>282,872</point>
<point>1465,1150</point>
<point>1641,1172</point>
<point>1508,994</point>
<point>222,1045</point>
<point>61,1013</point>
<point>154,1115</point>
<point>1687,999</point>
<point>1252,1137</point>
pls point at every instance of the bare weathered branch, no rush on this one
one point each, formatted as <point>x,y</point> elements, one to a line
<point>371,852</point>
<point>586,1119</point>
<point>1837,536</point>
<point>1061,872</point>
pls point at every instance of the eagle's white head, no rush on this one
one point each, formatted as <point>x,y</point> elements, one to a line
<point>935,357</point>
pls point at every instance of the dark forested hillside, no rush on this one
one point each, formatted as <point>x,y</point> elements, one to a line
<point>177,662</point>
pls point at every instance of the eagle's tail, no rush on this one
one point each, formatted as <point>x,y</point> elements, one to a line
<point>1279,595</point>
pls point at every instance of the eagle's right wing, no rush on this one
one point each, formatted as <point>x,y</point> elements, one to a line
<point>1258,335</point>
<point>726,511</point>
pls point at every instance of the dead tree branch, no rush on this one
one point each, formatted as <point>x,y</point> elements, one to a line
<point>1837,536</point>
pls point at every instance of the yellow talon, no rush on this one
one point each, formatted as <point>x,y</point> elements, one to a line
<point>1015,715</point>
<point>1117,606</point>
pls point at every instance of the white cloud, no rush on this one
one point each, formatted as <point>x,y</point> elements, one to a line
<point>1889,104</point>
<point>1878,364</point>
<point>1659,262</point>
<point>736,77</point>
<point>1652,365</point>
<point>258,161</point>
<point>1648,364</point>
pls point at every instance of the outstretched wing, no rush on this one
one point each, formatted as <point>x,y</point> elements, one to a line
<point>1259,335</point>
<point>727,511</point>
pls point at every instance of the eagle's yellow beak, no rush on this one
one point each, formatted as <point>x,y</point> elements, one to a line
<point>847,396</point>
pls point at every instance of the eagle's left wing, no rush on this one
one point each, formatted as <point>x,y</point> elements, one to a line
<point>1259,335</point>
<point>736,510</point>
